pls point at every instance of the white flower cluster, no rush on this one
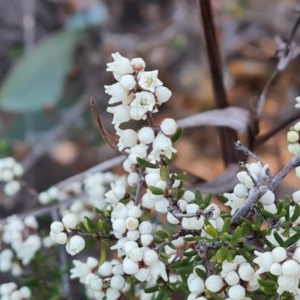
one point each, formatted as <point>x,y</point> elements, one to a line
<point>282,265</point>
<point>105,280</point>
<point>140,260</point>
<point>235,279</point>
<point>65,233</point>
<point>9,171</point>
<point>23,239</point>
<point>242,189</point>
<point>138,90</point>
<point>293,139</point>
<point>10,291</point>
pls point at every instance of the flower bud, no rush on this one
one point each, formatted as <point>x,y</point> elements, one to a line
<point>240,190</point>
<point>292,136</point>
<point>214,283</point>
<point>279,254</point>
<point>70,221</point>
<point>61,238</point>
<point>232,278</point>
<point>56,227</point>
<point>105,269</point>
<point>117,282</point>
<point>237,292</point>
<point>163,94</point>
<point>168,126</point>
<point>290,268</point>
<point>150,257</point>
<point>128,82</point>
<point>75,245</point>
<point>129,266</point>
<point>145,227</point>
<point>146,135</point>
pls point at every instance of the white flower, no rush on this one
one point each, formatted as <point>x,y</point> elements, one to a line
<point>240,190</point>
<point>117,92</point>
<point>279,254</point>
<point>134,212</point>
<point>119,226</point>
<point>158,269</point>
<point>276,269</point>
<point>142,274</point>
<point>297,105</point>
<point>105,269</point>
<point>128,82</point>
<point>296,196</point>
<point>5,260</point>
<point>292,136</point>
<point>168,126</point>
<point>133,178</point>
<point>112,294</point>
<point>133,235</point>
<point>129,266</point>
<point>234,202</point>
<point>297,126</point>
<point>149,81</point>
<point>138,64</point>
<point>25,292</point>
<point>96,284</point>
<point>293,148</point>
<point>264,260</point>
<point>80,271</point>
<point>70,221</point>
<point>162,205</point>
<point>139,150</point>
<point>146,239</point>
<point>290,268</point>
<point>28,249</point>
<point>162,145</point>
<point>297,170</point>
<point>144,102</point>
<point>121,113</point>
<point>237,292</point>
<point>245,272</point>
<point>31,222</point>
<point>145,227</point>
<point>171,219</point>
<point>129,246</point>
<point>162,94</point>
<point>117,282</point>
<point>150,257</point>
<point>214,283</point>
<point>296,255</point>
<point>195,284</point>
<point>12,188</point>
<point>289,284</point>
<point>136,254</point>
<point>229,266</point>
<point>268,198</point>
<point>128,138</point>
<point>121,65</point>
<point>232,278</point>
<point>131,223</point>
<point>75,245</point>
<point>61,238</point>
<point>192,223</point>
<point>146,135</point>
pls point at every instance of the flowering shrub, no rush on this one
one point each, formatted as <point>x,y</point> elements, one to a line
<point>200,252</point>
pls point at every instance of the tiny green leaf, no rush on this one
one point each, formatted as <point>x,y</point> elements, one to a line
<point>177,135</point>
<point>236,235</point>
<point>198,197</point>
<point>146,163</point>
<point>200,273</point>
<point>226,225</point>
<point>207,199</point>
<point>211,231</point>
<point>296,213</point>
<point>292,240</point>
<point>155,190</point>
<point>164,173</point>
<point>278,238</point>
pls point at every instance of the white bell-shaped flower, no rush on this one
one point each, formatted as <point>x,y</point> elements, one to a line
<point>75,245</point>
<point>148,80</point>
<point>121,65</point>
<point>195,284</point>
<point>138,64</point>
<point>264,260</point>
<point>290,268</point>
<point>117,282</point>
<point>121,114</point>
<point>129,266</point>
<point>144,102</point>
<point>163,94</point>
<point>70,221</point>
<point>128,138</point>
<point>279,254</point>
<point>162,145</point>
<point>117,92</point>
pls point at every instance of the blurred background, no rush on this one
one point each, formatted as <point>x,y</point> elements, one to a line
<point>53,56</point>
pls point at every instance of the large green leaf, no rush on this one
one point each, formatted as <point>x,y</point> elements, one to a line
<point>36,81</point>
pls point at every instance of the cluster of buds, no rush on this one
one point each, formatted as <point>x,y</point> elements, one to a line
<point>10,291</point>
<point>293,139</point>
<point>65,233</point>
<point>10,170</point>
<point>23,238</point>
<point>247,181</point>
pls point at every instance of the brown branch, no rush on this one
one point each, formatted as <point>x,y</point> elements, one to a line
<point>227,136</point>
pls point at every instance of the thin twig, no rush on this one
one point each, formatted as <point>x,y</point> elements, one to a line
<point>227,136</point>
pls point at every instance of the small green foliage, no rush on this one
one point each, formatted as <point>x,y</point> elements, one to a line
<point>156,191</point>
<point>177,135</point>
<point>146,163</point>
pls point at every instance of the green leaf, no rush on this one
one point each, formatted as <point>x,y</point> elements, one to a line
<point>177,135</point>
<point>211,231</point>
<point>155,190</point>
<point>180,193</point>
<point>267,283</point>
<point>36,81</point>
<point>181,176</point>
<point>207,199</point>
<point>190,253</point>
<point>248,222</point>
<point>267,214</point>
<point>164,173</point>
<point>226,225</point>
<point>279,240</point>
<point>146,163</point>
<point>292,240</point>
<point>246,254</point>
<point>200,272</point>
<point>162,234</point>
<point>160,296</point>
<point>89,224</point>
<point>296,213</point>
<point>236,235</point>
<point>223,198</point>
<point>151,289</point>
<point>198,197</point>
<point>296,228</point>
<point>230,255</point>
